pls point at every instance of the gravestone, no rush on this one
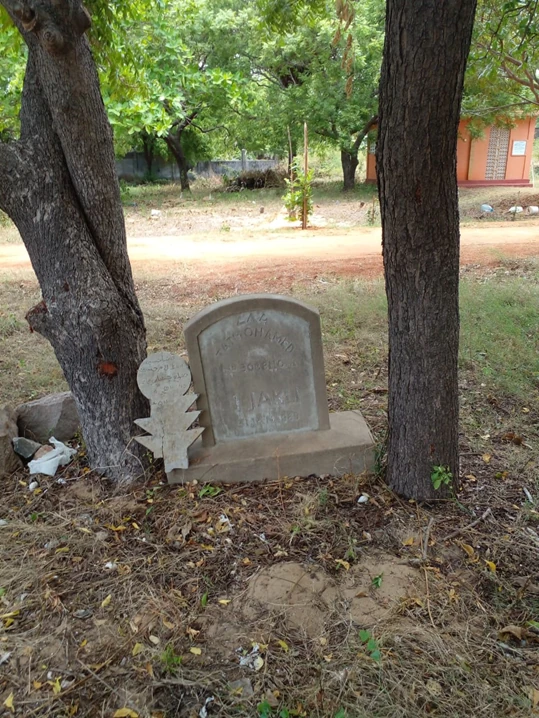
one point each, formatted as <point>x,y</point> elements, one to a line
<point>258,370</point>
<point>258,366</point>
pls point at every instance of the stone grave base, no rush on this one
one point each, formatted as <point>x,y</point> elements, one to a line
<point>347,447</point>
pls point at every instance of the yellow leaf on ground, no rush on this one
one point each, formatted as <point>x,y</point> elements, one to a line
<point>56,686</point>
<point>534,697</point>
<point>224,601</point>
<point>125,713</point>
<point>9,703</point>
<point>192,632</point>
<point>116,528</point>
<point>409,541</point>
<point>284,645</point>
<point>468,549</point>
<point>491,566</point>
<point>196,651</point>
<point>37,685</point>
<point>329,657</point>
<point>105,602</point>
<point>137,648</point>
<point>62,549</point>
<point>342,563</point>
<point>155,640</point>
<point>486,458</point>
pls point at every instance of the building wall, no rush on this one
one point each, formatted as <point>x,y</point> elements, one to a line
<point>472,156</point>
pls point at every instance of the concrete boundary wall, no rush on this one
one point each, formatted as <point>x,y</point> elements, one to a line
<point>133,167</point>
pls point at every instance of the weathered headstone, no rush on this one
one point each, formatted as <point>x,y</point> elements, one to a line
<point>257,366</point>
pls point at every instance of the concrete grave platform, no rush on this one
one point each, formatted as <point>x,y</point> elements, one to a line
<point>347,447</point>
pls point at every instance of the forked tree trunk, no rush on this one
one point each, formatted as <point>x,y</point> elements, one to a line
<point>349,157</point>
<point>425,52</point>
<point>58,183</point>
<point>174,144</point>
<point>349,162</point>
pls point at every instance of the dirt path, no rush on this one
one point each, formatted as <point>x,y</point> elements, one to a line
<point>354,251</point>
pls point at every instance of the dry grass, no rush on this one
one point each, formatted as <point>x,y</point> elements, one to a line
<point>166,558</point>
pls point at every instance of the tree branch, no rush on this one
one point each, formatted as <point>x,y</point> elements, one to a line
<point>364,132</point>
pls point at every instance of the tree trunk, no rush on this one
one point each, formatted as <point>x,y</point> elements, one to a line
<point>174,143</point>
<point>148,147</point>
<point>425,52</point>
<point>349,163</point>
<point>58,183</point>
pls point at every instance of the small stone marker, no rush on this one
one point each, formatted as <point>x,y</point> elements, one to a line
<point>164,378</point>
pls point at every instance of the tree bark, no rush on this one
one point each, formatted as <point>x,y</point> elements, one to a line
<point>349,156</point>
<point>426,47</point>
<point>349,162</point>
<point>58,183</point>
<point>148,147</point>
<point>174,143</point>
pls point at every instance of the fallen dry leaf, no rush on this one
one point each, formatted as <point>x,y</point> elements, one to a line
<point>105,602</point>
<point>409,541</point>
<point>486,458</point>
<point>9,703</point>
<point>125,713</point>
<point>196,651</point>
<point>284,645</point>
<point>344,564</point>
<point>137,648</point>
<point>491,566</point>
<point>515,631</point>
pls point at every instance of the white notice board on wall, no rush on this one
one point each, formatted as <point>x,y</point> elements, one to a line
<point>519,148</point>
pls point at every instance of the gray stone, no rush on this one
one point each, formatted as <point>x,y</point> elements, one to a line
<point>257,364</point>
<point>54,415</point>
<point>347,447</point>
<point>9,461</point>
<point>164,378</point>
<point>25,447</point>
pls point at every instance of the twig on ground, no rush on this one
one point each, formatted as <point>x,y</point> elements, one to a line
<point>426,539</point>
<point>483,516</point>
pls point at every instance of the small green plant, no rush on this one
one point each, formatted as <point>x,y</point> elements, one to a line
<point>299,190</point>
<point>265,710</point>
<point>323,498</point>
<point>377,580</point>
<point>371,645</point>
<point>209,490</point>
<point>441,476</point>
<point>170,660</point>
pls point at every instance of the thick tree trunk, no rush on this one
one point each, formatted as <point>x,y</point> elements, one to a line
<point>349,162</point>
<point>58,183</point>
<point>174,144</point>
<point>426,47</point>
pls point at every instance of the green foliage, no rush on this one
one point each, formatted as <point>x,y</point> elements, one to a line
<point>209,490</point>
<point>370,645</point>
<point>377,581</point>
<point>441,476</point>
<point>170,661</point>
<point>299,195</point>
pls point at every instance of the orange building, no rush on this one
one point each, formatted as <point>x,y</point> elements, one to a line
<point>502,156</point>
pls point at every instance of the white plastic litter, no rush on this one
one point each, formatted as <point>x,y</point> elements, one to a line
<point>515,210</point>
<point>533,209</point>
<point>203,713</point>
<point>363,499</point>
<point>487,208</point>
<point>49,463</point>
